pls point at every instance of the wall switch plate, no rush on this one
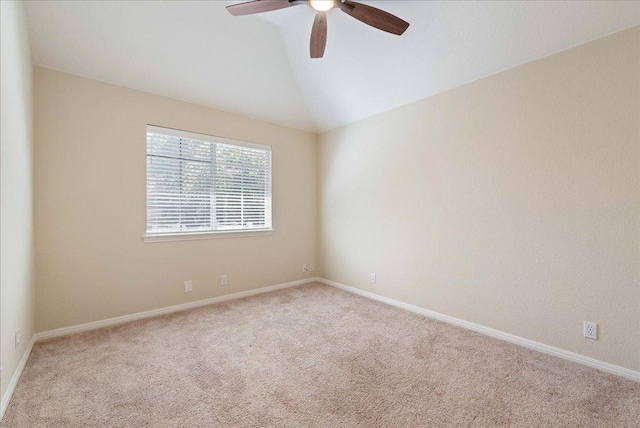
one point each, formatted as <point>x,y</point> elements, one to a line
<point>17,339</point>
<point>223,280</point>
<point>311,267</point>
<point>188,286</point>
<point>305,268</point>
<point>373,278</point>
<point>590,330</point>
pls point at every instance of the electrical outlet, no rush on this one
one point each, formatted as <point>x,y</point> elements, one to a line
<point>305,268</point>
<point>223,280</point>
<point>312,267</point>
<point>590,330</point>
<point>188,286</point>
<point>17,339</point>
<point>373,278</point>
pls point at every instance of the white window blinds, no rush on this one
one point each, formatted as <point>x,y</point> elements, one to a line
<point>198,183</point>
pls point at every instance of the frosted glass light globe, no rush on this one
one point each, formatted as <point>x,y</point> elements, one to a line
<point>321,5</point>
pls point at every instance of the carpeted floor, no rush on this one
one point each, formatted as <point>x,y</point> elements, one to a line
<point>311,356</point>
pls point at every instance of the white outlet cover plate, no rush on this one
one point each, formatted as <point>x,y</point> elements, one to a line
<point>590,330</point>
<point>188,286</point>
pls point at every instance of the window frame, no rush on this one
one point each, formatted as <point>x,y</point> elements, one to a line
<point>208,234</point>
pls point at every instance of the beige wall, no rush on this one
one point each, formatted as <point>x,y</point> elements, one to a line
<point>16,193</point>
<point>90,205</point>
<point>512,202</point>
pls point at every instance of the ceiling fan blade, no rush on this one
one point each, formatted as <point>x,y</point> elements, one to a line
<point>375,17</point>
<point>319,35</point>
<point>257,6</point>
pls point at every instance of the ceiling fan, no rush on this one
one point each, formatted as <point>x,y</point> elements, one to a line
<point>369,15</point>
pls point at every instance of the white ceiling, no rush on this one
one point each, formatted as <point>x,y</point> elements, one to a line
<point>259,66</point>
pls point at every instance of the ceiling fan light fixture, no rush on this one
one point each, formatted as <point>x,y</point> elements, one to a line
<point>322,5</point>
<point>370,15</point>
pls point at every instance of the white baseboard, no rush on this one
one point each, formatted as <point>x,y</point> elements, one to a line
<point>64,331</point>
<point>537,346</point>
<point>15,378</point>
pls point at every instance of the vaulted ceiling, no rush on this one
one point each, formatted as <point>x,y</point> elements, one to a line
<point>259,65</point>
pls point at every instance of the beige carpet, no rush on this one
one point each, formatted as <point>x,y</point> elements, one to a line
<point>311,356</point>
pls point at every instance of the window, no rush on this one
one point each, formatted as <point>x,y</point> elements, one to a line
<point>202,184</point>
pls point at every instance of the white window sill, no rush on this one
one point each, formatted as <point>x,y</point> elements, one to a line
<point>168,237</point>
